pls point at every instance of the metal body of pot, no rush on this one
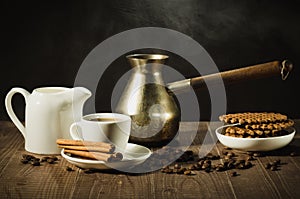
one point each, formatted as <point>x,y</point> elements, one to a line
<point>152,107</point>
<point>154,113</point>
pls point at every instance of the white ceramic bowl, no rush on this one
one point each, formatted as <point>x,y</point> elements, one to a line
<point>255,144</point>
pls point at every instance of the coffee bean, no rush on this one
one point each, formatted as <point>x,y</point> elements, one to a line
<point>273,168</point>
<point>191,167</point>
<point>230,154</point>
<point>177,166</point>
<point>207,170</point>
<point>292,154</point>
<point>225,163</point>
<point>50,161</point>
<point>187,172</point>
<point>24,161</point>
<point>233,173</point>
<point>220,168</point>
<point>168,171</point>
<point>35,163</point>
<point>239,161</point>
<point>241,166</point>
<point>224,152</point>
<point>205,166</point>
<point>201,162</point>
<point>69,168</point>
<point>44,159</point>
<point>230,165</point>
<point>163,170</point>
<point>197,166</point>
<point>207,162</point>
<point>227,157</point>
<point>250,158</point>
<point>257,154</point>
<point>181,170</point>
<point>268,166</point>
<point>277,162</point>
<point>54,158</point>
<point>248,164</point>
<point>28,157</point>
<point>189,153</point>
<point>274,163</point>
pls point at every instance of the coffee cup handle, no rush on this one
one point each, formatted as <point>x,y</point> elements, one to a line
<point>10,110</point>
<point>76,132</point>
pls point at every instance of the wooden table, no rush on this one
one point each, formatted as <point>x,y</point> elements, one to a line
<point>53,181</point>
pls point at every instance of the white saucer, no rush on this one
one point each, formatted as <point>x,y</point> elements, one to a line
<point>134,155</point>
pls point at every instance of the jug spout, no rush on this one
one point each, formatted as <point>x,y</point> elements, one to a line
<point>81,93</point>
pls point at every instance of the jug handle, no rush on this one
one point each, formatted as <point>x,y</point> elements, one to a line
<point>10,110</point>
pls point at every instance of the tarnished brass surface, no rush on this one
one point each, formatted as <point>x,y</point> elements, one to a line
<point>155,115</point>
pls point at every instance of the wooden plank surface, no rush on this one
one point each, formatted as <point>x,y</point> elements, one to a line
<point>53,181</point>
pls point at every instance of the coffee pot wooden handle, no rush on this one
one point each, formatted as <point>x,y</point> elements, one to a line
<point>264,70</point>
<point>258,71</point>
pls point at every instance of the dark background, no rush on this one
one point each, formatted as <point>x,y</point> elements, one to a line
<point>43,43</point>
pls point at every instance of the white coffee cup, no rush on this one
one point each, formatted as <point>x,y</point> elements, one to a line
<point>103,127</point>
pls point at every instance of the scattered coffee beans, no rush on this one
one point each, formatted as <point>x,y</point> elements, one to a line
<point>30,159</point>
<point>229,161</point>
<point>273,166</point>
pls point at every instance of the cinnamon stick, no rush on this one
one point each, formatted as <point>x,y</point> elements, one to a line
<point>88,148</point>
<point>96,155</point>
<point>68,142</point>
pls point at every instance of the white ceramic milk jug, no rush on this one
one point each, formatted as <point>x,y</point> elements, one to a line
<point>49,112</point>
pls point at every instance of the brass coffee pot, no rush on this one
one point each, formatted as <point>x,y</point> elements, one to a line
<point>152,106</point>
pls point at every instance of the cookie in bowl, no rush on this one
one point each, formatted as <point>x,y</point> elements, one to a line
<point>256,131</point>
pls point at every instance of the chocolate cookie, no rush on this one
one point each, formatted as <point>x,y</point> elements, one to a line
<point>236,131</point>
<point>256,125</point>
<point>253,118</point>
<point>270,126</point>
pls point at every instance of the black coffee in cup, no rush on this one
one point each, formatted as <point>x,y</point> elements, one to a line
<point>103,119</point>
